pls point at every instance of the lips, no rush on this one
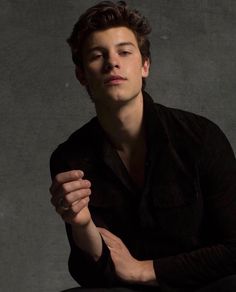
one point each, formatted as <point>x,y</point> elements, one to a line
<point>114,79</point>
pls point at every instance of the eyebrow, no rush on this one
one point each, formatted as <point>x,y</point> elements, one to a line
<point>100,48</point>
<point>125,44</point>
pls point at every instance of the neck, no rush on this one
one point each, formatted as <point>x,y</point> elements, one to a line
<point>123,124</point>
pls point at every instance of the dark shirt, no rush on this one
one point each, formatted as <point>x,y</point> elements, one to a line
<point>184,216</point>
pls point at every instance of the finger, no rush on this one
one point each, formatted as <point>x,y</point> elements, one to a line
<point>73,197</point>
<point>108,234</point>
<point>65,177</point>
<point>107,241</point>
<point>70,187</point>
<point>111,243</point>
<point>79,205</point>
<point>75,185</point>
<point>74,211</point>
<point>70,198</point>
<point>61,207</point>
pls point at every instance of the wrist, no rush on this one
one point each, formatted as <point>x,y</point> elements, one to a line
<point>83,219</point>
<point>78,228</point>
<point>146,273</point>
<point>81,225</point>
<point>87,238</point>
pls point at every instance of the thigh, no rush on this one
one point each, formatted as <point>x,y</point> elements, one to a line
<point>227,284</point>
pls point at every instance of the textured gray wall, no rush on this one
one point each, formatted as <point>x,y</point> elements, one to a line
<point>41,103</point>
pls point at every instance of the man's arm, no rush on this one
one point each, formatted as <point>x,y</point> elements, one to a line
<point>217,259</point>
<point>84,265</point>
<point>70,197</point>
<point>88,239</point>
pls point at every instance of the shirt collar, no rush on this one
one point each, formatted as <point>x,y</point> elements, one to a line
<point>156,140</point>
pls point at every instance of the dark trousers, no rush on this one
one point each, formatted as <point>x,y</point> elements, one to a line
<point>227,284</point>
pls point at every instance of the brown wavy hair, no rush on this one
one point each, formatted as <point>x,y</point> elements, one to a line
<point>108,14</point>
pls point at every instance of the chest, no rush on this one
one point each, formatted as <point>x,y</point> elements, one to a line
<point>135,167</point>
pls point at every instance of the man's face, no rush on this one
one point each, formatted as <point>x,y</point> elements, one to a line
<point>113,67</point>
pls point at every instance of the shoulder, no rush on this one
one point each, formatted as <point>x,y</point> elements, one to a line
<point>182,117</point>
<point>80,138</point>
<point>177,121</point>
<point>184,123</point>
<point>195,133</point>
<point>79,144</point>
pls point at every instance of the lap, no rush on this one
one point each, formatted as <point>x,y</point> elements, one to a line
<point>227,284</point>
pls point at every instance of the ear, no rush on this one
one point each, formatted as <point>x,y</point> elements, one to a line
<point>145,68</point>
<point>79,72</point>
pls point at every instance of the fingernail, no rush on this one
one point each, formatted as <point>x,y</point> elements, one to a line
<point>87,183</point>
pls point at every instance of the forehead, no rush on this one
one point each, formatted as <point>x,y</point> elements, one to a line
<point>111,37</point>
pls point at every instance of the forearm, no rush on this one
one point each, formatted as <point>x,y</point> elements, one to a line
<point>88,239</point>
<point>196,268</point>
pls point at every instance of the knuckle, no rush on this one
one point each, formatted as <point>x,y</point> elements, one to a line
<point>75,208</point>
<point>89,192</point>
<point>77,173</point>
<point>83,201</point>
<point>65,188</point>
<point>84,193</point>
<point>57,178</point>
<point>67,199</point>
<point>79,185</point>
<point>74,173</point>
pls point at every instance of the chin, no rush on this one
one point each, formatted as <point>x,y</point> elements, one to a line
<point>116,97</point>
<point>121,95</point>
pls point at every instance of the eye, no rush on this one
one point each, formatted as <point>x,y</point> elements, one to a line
<point>95,56</point>
<point>125,53</point>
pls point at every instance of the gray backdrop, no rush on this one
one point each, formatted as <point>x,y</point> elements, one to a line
<point>41,103</point>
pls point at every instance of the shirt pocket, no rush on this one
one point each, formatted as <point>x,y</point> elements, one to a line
<point>173,195</point>
<point>177,210</point>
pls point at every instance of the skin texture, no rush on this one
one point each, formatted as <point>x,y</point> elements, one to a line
<point>75,192</point>
<point>112,52</point>
<point>112,73</point>
<point>127,267</point>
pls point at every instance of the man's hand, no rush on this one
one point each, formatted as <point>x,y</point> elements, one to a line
<point>70,196</point>
<point>127,267</point>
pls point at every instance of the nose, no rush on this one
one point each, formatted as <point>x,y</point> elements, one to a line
<point>111,61</point>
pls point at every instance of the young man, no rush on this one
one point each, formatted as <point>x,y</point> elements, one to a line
<point>147,192</point>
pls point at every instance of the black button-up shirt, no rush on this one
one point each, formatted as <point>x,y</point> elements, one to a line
<point>184,218</point>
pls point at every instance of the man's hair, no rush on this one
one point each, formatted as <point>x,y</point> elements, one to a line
<point>105,15</point>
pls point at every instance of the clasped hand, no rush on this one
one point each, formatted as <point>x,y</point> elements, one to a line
<point>70,197</point>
